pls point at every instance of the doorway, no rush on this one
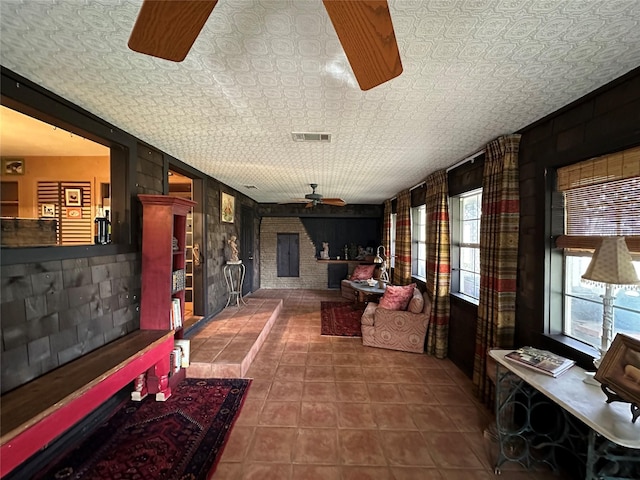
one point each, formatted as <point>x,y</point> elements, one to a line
<point>247,247</point>
<point>184,187</point>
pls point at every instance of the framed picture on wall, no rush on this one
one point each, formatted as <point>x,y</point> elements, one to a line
<point>227,207</point>
<point>13,166</point>
<point>73,197</point>
<point>48,210</point>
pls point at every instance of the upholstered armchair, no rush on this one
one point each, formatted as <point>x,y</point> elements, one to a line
<point>397,329</point>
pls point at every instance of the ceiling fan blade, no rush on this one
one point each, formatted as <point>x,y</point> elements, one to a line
<point>338,202</point>
<point>168,28</point>
<point>366,33</point>
<point>295,200</point>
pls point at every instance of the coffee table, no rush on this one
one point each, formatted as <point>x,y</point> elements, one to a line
<point>364,293</point>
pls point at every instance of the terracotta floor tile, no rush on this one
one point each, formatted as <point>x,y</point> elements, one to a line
<point>348,373</point>
<point>319,391</point>
<point>259,389</point>
<point>450,450</point>
<point>450,395</point>
<point>228,471</point>
<point>417,393</point>
<point>280,413</point>
<point>318,414</point>
<point>360,447</point>
<point>272,444</point>
<point>406,448</point>
<point>319,373</point>
<point>316,445</point>
<point>346,359</point>
<point>384,393</point>
<point>295,358</point>
<point>315,472</point>
<point>285,391</point>
<point>432,418</point>
<point>416,473</point>
<point>322,347</point>
<point>250,412</point>
<point>236,447</point>
<point>366,473</point>
<point>290,373</point>
<point>352,392</point>
<point>317,358</point>
<point>355,415</point>
<point>262,471</point>
<point>393,416</point>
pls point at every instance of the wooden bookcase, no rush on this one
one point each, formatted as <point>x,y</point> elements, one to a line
<point>163,219</point>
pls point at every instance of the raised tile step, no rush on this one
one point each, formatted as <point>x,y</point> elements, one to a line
<point>226,346</point>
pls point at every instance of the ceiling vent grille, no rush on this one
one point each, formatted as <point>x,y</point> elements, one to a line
<point>310,137</point>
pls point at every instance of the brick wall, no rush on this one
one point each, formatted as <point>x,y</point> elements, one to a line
<point>312,274</point>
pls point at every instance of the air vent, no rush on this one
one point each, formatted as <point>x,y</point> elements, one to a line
<point>250,187</point>
<point>311,137</point>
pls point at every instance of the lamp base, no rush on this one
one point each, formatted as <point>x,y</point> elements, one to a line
<point>589,380</point>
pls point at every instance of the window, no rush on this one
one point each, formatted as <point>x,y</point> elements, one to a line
<point>55,183</point>
<point>598,201</point>
<point>419,242</point>
<point>466,210</point>
<point>392,254</point>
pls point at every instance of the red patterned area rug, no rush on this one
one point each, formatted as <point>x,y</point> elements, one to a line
<point>181,438</point>
<point>340,319</point>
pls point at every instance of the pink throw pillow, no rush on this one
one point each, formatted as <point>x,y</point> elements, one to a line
<point>362,272</point>
<point>396,297</point>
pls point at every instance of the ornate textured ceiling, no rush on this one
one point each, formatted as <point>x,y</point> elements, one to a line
<point>473,70</point>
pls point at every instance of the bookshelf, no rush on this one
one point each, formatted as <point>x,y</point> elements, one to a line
<point>163,264</point>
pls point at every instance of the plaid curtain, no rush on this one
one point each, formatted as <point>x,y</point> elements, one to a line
<point>402,270</point>
<point>499,226</point>
<point>386,231</point>
<point>438,263</point>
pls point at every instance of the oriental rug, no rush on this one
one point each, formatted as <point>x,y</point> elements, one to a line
<point>180,438</point>
<point>340,319</point>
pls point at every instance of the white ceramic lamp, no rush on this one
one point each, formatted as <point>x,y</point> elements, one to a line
<point>612,267</point>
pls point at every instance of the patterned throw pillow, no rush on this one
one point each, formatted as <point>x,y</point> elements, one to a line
<point>396,297</point>
<point>363,272</point>
<point>416,304</point>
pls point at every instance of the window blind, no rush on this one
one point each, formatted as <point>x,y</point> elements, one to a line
<point>608,168</point>
<point>602,198</point>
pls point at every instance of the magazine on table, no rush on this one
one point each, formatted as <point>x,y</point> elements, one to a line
<point>541,361</point>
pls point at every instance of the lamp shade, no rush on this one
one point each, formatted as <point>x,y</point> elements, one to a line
<point>612,263</point>
<point>378,258</point>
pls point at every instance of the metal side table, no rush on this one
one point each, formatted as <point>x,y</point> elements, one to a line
<point>234,277</point>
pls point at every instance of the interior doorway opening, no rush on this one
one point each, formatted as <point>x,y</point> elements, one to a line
<point>182,186</point>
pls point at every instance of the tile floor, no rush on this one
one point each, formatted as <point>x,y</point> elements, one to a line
<point>329,408</point>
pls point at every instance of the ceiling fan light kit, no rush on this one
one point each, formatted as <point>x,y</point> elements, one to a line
<point>167,29</point>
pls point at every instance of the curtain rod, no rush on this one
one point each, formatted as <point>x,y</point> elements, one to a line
<point>470,158</point>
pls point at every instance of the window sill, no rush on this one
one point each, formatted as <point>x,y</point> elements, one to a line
<point>569,347</point>
<point>465,298</point>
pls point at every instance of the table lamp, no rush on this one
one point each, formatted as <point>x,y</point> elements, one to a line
<point>380,259</point>
<point>612,267</point>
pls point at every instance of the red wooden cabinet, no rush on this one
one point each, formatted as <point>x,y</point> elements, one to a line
<point>163,219</point>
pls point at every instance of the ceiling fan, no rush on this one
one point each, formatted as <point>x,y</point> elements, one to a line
<point>167,29</point>
<point>312,199</point>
